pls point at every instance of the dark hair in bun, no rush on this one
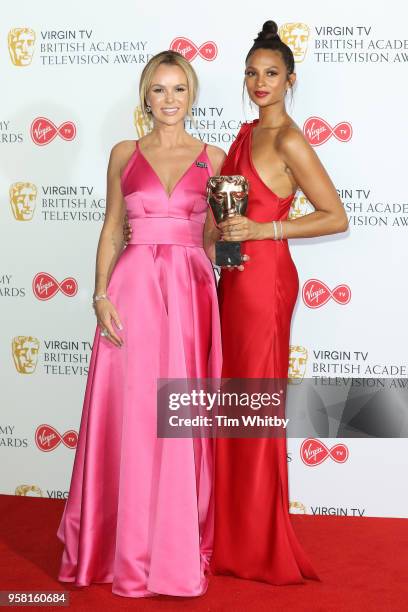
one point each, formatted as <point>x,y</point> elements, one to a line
<point>269,30</point>
<point>268,38</point>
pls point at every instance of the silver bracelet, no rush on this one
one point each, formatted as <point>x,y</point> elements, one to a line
<point>96,298</point>
<point>274,230</point>
<point>281,230</point>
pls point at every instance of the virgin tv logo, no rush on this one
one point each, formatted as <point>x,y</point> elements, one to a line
<point>318,131</point>
<point>43,131</point>
<point>208,50</point>
<point>45,286</point>
<point>316,293</point>
<point>314,452</point>
<point>47,438</point>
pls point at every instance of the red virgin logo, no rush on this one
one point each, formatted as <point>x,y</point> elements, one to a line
<point>314,452</point>
<point>46,286</point>
<point>189,50</point>
<point>315,293</point>
<point>47,438</point>
<point>43,131</point>
<point>318,131</point>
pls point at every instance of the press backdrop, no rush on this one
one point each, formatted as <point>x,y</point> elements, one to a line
<point>69,82</point>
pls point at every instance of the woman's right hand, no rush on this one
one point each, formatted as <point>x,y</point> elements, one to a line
<point>107,316</point>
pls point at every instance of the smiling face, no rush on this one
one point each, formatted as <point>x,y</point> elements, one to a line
<point>266,77</point>
<point>168,95</point>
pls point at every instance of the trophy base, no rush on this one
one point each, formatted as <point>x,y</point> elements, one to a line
<point>228,253</point>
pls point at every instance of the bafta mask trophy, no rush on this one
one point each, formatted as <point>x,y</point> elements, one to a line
<point>25,353</point>
<point>21,46</point>
<point>228,197</point>
<point>297,364</point>
<point>22,200</point>
<point>296,36</point>
<point>143,123</point>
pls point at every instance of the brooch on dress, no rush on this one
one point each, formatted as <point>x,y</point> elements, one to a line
<point>201,164</point>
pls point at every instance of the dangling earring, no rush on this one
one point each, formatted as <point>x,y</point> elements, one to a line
<point>148,108</point>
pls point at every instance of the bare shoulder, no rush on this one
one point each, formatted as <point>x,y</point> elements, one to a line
<point>291,140</point>
<point>121,153</point>
<point>122,149</point>
<point>216,152</point>
<point>216,155</point>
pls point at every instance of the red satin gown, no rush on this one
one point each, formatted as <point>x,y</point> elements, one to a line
<point>254,538</point>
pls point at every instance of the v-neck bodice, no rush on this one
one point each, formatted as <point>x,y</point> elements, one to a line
<point>169,195</point>
<point>145,195</point>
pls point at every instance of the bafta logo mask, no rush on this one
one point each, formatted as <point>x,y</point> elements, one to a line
<point>297,364</point>
<point>21,46</point>
<point>296,36</point>
<point>22,200</point>
<point>300,207</point>
<point>25,353</point>
<point>297,508</point>
<point>227,196</point>
<point>28,491</point>
<point>143,123</point>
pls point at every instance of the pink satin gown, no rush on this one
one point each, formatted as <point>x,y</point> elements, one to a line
<point>140,509</point>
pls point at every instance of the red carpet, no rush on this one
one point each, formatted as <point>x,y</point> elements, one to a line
<point>362,562</point>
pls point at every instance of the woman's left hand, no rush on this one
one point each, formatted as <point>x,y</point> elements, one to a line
<point>127,230</point>
<point>240,228</point>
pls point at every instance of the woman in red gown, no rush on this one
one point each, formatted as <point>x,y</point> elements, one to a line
<point>254,538</point>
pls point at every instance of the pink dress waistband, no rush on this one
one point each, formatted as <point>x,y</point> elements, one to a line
<point>166,230</point>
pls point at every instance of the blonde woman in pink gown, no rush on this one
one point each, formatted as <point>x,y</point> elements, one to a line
<point>140,510</point>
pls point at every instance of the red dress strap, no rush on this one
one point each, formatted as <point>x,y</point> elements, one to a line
<point>235,149</point>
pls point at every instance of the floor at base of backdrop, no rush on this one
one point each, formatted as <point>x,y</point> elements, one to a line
<point>362,563</point>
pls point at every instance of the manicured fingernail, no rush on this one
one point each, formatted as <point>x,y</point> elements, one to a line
<point>120,326</point>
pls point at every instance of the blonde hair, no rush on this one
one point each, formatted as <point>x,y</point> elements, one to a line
<point>172,58</point>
